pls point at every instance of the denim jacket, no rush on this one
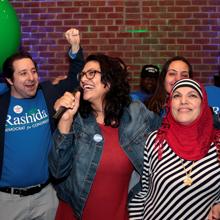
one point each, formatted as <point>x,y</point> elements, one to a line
<point>75,156</point>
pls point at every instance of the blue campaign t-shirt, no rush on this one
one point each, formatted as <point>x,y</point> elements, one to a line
<point>27,142</point>
<point>213,93</point>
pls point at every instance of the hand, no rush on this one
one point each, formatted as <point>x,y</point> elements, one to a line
<point>214,213</point>
<point>73,38</point>
<point>71,102</point>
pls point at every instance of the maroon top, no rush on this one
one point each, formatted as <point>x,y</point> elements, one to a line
<point>108,196</point>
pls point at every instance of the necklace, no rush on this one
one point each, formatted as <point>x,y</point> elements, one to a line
<point>187,179</point>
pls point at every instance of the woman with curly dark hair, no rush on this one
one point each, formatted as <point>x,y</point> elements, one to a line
<point>117,87</point>
<point>98,146</point>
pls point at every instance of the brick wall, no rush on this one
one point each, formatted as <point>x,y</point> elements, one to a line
<point>139,31</point>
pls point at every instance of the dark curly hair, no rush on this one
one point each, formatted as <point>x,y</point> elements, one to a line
<point>158,100</point>
<point>113,73</point>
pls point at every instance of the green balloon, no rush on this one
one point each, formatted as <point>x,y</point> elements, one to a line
<point>10,32</point>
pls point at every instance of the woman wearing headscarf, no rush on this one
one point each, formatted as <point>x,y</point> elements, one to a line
<point>174,69</point>
<point>181,174</point>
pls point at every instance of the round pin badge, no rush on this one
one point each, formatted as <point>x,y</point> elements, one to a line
<point>97,138</point>
<point>18,109</point>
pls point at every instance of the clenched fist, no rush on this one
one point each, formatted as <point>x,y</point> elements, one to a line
<point>73,38</point>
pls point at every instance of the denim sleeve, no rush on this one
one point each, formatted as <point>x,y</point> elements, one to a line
<point>61,154</point>
<point>154,119</point>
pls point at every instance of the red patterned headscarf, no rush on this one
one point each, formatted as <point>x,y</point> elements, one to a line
<point>192,141</point>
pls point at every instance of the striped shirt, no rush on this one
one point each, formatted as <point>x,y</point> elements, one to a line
<point>164,195</point>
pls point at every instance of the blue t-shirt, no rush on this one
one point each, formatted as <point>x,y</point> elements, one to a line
<point>27,143</point>
<point>213,93</point>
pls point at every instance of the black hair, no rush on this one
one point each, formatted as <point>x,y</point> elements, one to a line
<point>113,74</point>
<point>8,69</point>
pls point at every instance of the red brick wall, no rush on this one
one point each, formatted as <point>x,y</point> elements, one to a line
<point>173,27</point>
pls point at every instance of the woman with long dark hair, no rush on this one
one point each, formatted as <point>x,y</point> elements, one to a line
<point>174,69</point>
<point>98,146</point>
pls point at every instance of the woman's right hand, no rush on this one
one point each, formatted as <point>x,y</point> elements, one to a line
<point>71,102</point>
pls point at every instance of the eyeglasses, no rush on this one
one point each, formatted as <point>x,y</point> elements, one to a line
<point>90,74</point>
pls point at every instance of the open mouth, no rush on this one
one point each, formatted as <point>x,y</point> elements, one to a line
<point>31,86</point>
<point>184,110</point>
<point>87,87</point>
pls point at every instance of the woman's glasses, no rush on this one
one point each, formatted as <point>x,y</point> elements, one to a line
<point>90,74</point>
